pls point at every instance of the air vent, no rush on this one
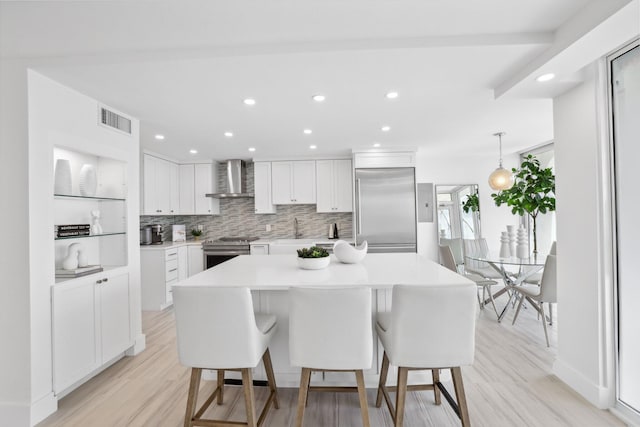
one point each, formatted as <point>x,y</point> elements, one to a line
<point>115,121</point>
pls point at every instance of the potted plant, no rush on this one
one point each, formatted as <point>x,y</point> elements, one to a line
<point>313,258</point>
<point>471,203</point>
<point>533,192</point>
<point>196,233</point>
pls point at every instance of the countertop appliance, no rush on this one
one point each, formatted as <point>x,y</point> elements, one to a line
<point>156,234</point>
<point>385,214</point>
<point>145,235</point>
<point>225,248</point>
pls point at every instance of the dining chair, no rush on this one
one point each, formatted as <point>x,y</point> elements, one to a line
<point>546,292</point>
<point>535,278</point>
<point>478,248</point>
<point>330,330</point>
<point>430,327</point>
<point>447,260</point>
<point>217,329</point>
<point>456,249</point>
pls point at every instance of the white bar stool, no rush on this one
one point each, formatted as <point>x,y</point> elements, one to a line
<point>217,329</point>
<point>330,330</point>
<point>429,327</point>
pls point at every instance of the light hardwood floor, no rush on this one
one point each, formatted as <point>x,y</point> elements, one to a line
<point>510,384</point>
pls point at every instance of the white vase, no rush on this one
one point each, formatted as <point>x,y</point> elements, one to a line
<point>88,180</point>
<point>511,232</point>
<point>522,244</point>
<point>83,259</point>
<point>70,262</point>
<point>62,177</point>
<point>505,252</point>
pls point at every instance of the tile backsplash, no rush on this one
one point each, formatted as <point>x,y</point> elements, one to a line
<point>238,218</point>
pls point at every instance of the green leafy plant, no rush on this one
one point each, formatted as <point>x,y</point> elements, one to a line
<point>533,192</point>
<point>471,203</point>
<point>195,232</point>
<point>313,252</point>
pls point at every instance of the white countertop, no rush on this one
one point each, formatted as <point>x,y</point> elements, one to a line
<point>170,245</point>
<point>302,242</point>
<point>280,272</point>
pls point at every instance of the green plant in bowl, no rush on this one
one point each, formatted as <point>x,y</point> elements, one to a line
<point>196,233</point>
<point>312,252</point>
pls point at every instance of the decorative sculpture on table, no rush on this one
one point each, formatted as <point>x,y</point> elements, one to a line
<point>522,248</point>
<point>511,232</point>
<point>96,228</point>
<point>505,251</point>
<point>70,262</point>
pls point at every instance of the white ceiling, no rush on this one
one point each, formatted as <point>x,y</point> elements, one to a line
<point>183,68</point>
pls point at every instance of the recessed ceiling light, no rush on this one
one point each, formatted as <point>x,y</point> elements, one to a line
<point>318,98</point>
<point>307,131</point>
<point>192,151</point>
<point>228,134</point>
<point>392,95</point>
<point>159,137</point>
<point>385,128</point>
<point>249,101</point>
<point>313,147</point>
<point>546,77</point>
<point>252,149</point>
<point>377,144</point>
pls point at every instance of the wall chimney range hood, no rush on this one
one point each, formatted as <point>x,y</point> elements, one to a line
<point>236,175</point>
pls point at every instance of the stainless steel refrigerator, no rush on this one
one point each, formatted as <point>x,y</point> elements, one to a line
<point>385,211</point>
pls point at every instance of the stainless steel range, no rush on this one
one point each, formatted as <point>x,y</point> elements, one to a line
<point>225,248</point>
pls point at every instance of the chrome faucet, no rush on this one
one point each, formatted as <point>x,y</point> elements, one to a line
<point>298,234</point>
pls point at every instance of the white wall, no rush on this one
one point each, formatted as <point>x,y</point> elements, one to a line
<point>15,310</point>
<point>585,350</point>
<point>465,169</point>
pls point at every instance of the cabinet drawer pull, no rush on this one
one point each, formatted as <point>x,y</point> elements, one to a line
<point>174,269</point>
<point>105,280</point>
<point>175,253</point>
<point>98,281</point>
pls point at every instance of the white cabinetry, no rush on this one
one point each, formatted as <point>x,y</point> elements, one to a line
<point>293,182</point>
<point>197,180</point>
<point>262,187</point>
<point>196,260</point>
<point>259,249</point>
<point>204,175</point>
<point>334,186</point>
<point>91,325</point>
<point>160,186</point>
<point>160,269</point>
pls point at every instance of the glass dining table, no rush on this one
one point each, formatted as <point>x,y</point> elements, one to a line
<point>514,272</point>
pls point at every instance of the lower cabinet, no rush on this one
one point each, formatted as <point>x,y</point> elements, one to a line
<point>260,249</point>
<point>160,269</point>
<point>91,325</point>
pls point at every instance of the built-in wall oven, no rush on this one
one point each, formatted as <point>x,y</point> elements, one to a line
<point>224,249</point>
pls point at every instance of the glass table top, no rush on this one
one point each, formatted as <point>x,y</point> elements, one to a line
<point>533,260</point>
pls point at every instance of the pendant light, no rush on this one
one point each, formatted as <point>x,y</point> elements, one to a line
<point>501,178</point>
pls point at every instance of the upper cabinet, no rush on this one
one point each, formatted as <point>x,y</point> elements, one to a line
<point>160,186</point>
<point>178,189</point>
<point>293,182</point>
<point>334,186</point>
<point>204,175</point>
<point>262,187</point>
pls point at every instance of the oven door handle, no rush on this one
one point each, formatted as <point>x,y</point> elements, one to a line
<point>226,252</point>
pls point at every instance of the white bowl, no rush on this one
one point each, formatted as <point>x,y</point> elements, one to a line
<point>349,254</point>
<point>313,263</point>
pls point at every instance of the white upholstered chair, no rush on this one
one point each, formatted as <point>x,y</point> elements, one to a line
<point>456,249</point>
<point>536,277</point>
<point>546,292</point>
<point>447,259</point>
<point>217,329</point>
<point>429,327</point>
<point>478,248</point>
<point>330,330</point>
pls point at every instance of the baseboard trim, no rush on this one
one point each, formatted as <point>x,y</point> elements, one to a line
<point>598,396</point>
<point>43,407</point>
<point>138,347</point>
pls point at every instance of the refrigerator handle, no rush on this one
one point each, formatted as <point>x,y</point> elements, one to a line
<point>359,208</point>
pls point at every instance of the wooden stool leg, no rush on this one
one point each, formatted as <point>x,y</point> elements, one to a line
<point>435,374</point>
<point>401,395</point>
<point>383,378</point>
<point>220,385</point>
<point>249,399</point>
<point>456,374</point>
<point>302,395</point>
<point>266,359</point>
<point>362,394</point>
<point>194,386</point>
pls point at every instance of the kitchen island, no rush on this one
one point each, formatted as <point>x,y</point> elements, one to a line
<point>270,277</point>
